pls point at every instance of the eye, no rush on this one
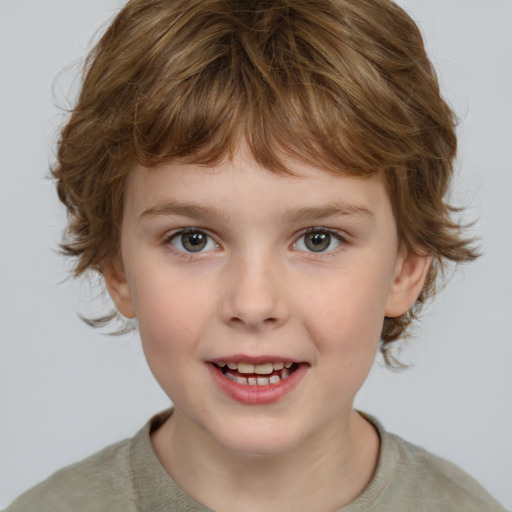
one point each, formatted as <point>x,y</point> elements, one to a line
<point>192,241</point>
<point>318,240</point>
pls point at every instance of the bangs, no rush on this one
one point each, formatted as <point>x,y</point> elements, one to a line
<point>259,77</point>
<point>342,85</point>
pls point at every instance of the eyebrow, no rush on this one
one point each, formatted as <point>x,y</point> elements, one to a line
<point>181,209</point>
<point>329,211</point>
<point>196,211</point>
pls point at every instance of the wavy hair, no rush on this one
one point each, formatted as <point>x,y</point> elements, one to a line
<point>343,84</point>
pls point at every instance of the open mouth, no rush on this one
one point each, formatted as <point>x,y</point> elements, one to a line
<point>249,374</point>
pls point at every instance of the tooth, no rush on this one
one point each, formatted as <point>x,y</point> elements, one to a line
<point>284,374</point>
<point>245,368</point>
<point>262,381</point>
<point>252,381</point>
<point>241,380</point>
<point>278,366</point>
<point>262,369</point>
<point>229,376</point>
<point>274,379</point>
<point>221,364</point>
<point>232,366</point>
<point>286,365</point>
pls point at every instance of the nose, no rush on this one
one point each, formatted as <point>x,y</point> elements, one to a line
<point>254,294</point>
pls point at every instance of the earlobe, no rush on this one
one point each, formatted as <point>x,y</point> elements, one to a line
<point>410,274</point>
<point>118,288</point>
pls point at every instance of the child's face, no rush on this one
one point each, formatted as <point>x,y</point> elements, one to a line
<point>235,264</point>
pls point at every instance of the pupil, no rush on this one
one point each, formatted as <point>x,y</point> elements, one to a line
<point>318,242</point>
<point>193,242</point>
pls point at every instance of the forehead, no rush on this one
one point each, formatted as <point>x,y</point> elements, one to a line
<point>241,188</point>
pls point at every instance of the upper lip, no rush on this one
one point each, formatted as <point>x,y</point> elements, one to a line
<point>239,358</point>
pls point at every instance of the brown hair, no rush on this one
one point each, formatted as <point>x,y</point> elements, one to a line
<point>344,84</point>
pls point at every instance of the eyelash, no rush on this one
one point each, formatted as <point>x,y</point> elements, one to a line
<point>333,234</point>
<point>176,235</point>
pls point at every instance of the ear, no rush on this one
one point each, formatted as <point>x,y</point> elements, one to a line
<point>408,280</point>
<point>118,288</point>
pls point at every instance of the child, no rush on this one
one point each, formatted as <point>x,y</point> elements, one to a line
<point>261,186</point>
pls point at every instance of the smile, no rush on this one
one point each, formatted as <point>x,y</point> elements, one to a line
<point>259,382</point>
<point>249,374</point>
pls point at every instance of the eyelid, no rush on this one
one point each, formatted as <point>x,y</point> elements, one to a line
<point>320,229</point>
<point>170,236</point>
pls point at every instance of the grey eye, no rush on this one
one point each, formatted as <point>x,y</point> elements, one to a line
<point>318,241</point>
<point>193,242</point>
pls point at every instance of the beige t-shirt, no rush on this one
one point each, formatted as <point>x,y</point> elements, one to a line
<point>128,477</point>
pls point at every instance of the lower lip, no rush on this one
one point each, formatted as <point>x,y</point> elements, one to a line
<point>257,395</point>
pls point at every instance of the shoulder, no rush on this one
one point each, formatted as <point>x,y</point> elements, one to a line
<point>436,482</point>
<point>103,481</point>
<point>408,478</point>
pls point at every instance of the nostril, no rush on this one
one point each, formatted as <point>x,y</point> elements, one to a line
<point>254,324</point>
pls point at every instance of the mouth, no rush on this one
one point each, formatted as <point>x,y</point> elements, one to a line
<point>262,374</point>
<point>257,380</point>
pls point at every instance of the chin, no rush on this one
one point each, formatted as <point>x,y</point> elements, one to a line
<point>263,440</point>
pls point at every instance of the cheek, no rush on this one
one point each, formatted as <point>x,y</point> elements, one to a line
<point>172,314</point>
<point>349,308</point>
<point>172,320</point>
<point>344,319</point>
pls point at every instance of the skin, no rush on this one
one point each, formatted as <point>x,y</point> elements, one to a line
<point>257,288</point>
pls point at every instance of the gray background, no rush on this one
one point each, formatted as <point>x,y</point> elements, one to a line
<point>66,391</point>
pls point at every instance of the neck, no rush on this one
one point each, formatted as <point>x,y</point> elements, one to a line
<point>325,472</point>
